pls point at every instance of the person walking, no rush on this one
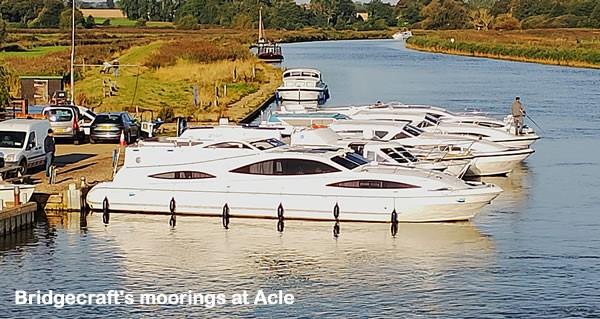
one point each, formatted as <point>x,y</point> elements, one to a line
<point>518,113</point>
<point>49,149</point>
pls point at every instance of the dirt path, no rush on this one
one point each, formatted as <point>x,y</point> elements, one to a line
<point>74,161</point>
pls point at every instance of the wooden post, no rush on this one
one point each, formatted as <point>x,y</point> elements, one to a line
<point>234,74</point>
<point>253,72</point>
<point>224,89</point>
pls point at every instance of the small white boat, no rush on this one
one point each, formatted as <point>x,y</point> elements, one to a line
<point>303,85</point>
<point>298,183</point>
<point>402,35</point>
<point>7,193</point>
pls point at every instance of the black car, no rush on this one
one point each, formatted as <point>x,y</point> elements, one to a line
<point>108,127</point>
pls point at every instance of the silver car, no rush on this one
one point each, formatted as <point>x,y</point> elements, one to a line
<point>64,121</point>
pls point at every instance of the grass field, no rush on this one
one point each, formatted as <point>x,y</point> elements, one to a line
<point>569,47</point>
<point>124,22</point>
<point>34,52</point>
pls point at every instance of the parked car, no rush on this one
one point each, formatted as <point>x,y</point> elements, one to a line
<point>22,142</point>
<point>65,121</point>
<point>108,127</point>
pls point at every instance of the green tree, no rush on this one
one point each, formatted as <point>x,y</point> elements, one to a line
<point>66,18</point>
<point>380,10</point>
<point>188,22</point>
<point>595,17</point>
<point>4,92</point>
<point>445,14</point>
<point>3,31</point>
<point>21,11</point>
<point>90,22</point>
<point>49,15</point>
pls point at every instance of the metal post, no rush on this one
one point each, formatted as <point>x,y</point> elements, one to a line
<point>73,27</point>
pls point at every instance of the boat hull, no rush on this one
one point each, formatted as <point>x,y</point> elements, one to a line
<point>497,164</point>
<point>444,206</point>
<point>7,193</point>
<point>519,141</point>
<point>296,94</point>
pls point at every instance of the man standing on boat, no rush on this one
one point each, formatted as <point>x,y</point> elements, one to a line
<point>518,113</point>
<point>49,149</point>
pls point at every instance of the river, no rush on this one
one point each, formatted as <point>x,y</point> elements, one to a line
<point>535,252</point>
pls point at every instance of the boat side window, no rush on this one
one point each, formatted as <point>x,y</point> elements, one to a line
<point>373,184</point>
<point>228,145</point>
<point>182,175</point>
<point>286,166</point>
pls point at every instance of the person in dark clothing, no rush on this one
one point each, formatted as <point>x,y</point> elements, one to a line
<point>49,149</point>
<point>518,113</point>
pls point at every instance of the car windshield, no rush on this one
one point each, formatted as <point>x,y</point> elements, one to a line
<point>108,119</point>
<point>12,139</point>
<point>60,115</point>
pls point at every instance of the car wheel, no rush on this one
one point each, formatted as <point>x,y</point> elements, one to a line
<point>92,141</point>
<point>23,167</point>
<point>76,140</point>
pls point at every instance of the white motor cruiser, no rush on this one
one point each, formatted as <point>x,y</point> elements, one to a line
<point>489,158</point>
<point>208,178</point>
<point>303,85</point>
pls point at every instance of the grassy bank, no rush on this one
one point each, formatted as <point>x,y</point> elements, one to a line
<point>161,68</point>
<point>568,47</point>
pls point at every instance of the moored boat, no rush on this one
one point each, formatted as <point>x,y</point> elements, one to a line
<point>303,85</point>
<point>299,183</point>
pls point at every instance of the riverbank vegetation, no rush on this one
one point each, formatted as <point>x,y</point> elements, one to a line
<point>570,47</point>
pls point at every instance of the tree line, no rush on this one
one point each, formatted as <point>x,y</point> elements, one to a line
<point>338,14</point>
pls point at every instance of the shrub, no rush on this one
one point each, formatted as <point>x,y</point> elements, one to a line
<point>140,23</point>
<point>106,22</point>
<point>66,18</point>
<point>506,22</point>
<point>166,113</point>
<point>188,22</point>
<point>200,51</point>
<point>534,22</point>
<point>90,22</point>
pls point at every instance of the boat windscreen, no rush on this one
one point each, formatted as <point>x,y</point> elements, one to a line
<point>350,160</point>
<point>412,130</point>
<point>267,144</point>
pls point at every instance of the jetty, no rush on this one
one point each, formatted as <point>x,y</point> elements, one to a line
<point>13,219</point>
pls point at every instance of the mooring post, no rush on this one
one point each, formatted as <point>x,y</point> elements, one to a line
<point>17,195</point>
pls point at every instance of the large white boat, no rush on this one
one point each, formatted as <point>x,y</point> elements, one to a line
<point>206,178</point>
<point>489,158</point>
<point>303,85</point>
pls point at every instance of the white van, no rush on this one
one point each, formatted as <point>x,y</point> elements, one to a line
<point>22,142</point>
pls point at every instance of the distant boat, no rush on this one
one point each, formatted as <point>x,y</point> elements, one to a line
<point>266,50</point>
<point>303,85</point>
<point>402,35</point>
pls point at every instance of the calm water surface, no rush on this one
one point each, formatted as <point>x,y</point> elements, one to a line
<point>535,252</point>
